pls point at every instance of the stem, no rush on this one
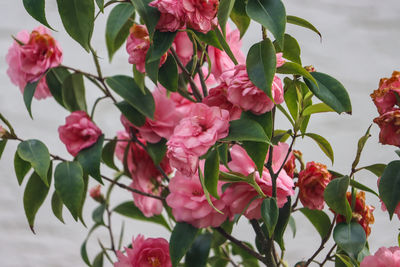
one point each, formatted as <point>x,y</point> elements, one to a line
<point>109,227</point>
<point>328,256</point>
<point>81,72</point>
<point>266,244</point>
<point>202,81</point>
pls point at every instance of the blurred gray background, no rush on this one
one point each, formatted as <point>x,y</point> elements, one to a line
<point>361,42</point>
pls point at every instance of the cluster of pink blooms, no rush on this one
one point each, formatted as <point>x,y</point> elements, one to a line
<point>384,257</point>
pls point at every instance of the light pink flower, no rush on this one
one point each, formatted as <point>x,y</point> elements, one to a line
<point>239,195</point>
<point>385,96</point>
<point>29,61</point>
<point>172,15</point>
<point>195,134</point>
<point>148,252</point>
<point>389,123</point>
<point>243,93</point>
<point>384,257</point>
<point>147,205</point>
<point>190,205</point>
<point>183,47</point>
<point>312,183</point>
<point>279,60</point>
<point>200,14</point>
<point>79,132</point>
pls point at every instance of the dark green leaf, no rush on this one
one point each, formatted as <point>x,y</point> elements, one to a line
<point>35,8</point>
<point>239,16</point>
<point>350,237</point>
<point>21,168</point>
<point>206,193</point>
<point>342,260</point>
<point>225,45</point>
<point>323,144</point>
<point>291,98</point>
<point>127,88</point>
<point>90,158</point>
<point>98,260</point>
<point>224,9</point>
<point>78,19</point>
<point>270,214</point>
<point>284,215</point>
<point>223,153</point>
<point>330,91</point>
<point>3,144</point>
<point>29,92</point>
<point>55,78</point>
<point>162,41</point>
<point>168,74</point>
<point>211,173</point>
<point>69,184</point>
<point>108,154</point>
<point>265,120</point>
<point>269,13</point>
<point>360,186</point>
<point>257,151</point>
<point>291,49</point>
<point>83,198</point>
<point>246,130</point>
<point>198,253</point>
<point>376,169</point>
<point>303,23</point>
<point>73,92</point>
<point>335,196</point>
<point>98,214</point>
<point>134,116</point>
<point>317,108</point>
<point>157,151</point>
<point>319,219</point>
<point>150,15</point>
<point>182,237</point>
<point>209,38</point>
<point>139,78</point>
<point>57,206</point>
<point>100,4</point>
<point>296,69</point>
<point>261,65</point>
<point>37,154</point>
<point>117,28</point>
<point>152,67</point>
<point>292,225</point>
<point>389,186</point>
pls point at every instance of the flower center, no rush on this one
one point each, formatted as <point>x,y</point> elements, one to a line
<point>154,261</point>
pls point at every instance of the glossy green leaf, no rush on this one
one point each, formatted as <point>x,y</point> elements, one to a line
<point>152,67</point>
<point>257,151</point>
<point>209,38</point>
<point>157,151</point>
<point>98,214</point>
<point>148,14</point>
<point>211,173</point>
<point>376,169</point>
<point>350,237</point>
<point>335,196</point>
<point>330,91</point>
<point>261,65</point>
<point>319,219</point>
<point>303,23</point>
<point>78,19</point>
<point>132,114</point>
<point>55,78</point>
<point>128,209</point>
<point>117,27</point>
<point>342,260</point>
<point>168,74</point>
<point>362,187</point>
<point>107,155</point>
<point>35,8</point>
<point>57,206</point>
<point>90,158</point>
<point>224,10</point>
<point>291,49</point>
<point>21,168</point>
<point>29,92</point>
<point>389,186</point>
<point>317,108</point>
<point>239,16</point>
<point>291,98</point>
<point>323,144</point>
<point>73,92</point>
<point>182,237</point>
<point>162,41</point>
<point>270,214</point>
<point>225,45</point>
<point>3,144</point>
<point>283,220</point>
<point>127,88</point>
<point>246,130</point>
<point>198,253</point>
<point>296,69</point>
<point>264,120</point>
<point>206,193</point>
<point>37,154</point>
<point>269,13</point>
<point>69,184</point>
<point>100,5</point>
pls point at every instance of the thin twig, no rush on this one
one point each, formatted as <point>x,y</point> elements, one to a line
<point>328,256</point>
<point>109,227</point>
<point>266,244</point>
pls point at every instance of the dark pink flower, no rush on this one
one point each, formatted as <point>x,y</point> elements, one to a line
<point>385,96</point>
<point>389,123</point>
<point>384,257</point>
<point>200,14</point>
<point>172,15</point>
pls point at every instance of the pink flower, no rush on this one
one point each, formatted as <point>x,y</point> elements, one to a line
<point>389,123</point>
<point>172,15</point>
<point>147,205</point>
<point>220,61</point>
<point>29,61</point>
<point>201,14</point>
<point>95,193</point>
<point>384,257</point>
<point>195,134</point>
<point>183,47</point>
<point>243,93</point>
<point>279,60</point>
<point>239,195</point>
<point>79,132</point>
<point>148,252</point>
<point>312,183</point>
<point>190,205</point>
<point>385,96</point>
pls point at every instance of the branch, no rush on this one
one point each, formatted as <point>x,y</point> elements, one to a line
<point>109,227</point>
<point>266,244</point>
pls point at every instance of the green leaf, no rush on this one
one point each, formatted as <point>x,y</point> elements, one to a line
<point>168,74</point>
<point>206,193</point>
<point>225,45</point>
<point>224,9</point>
<point>157,151</point>
<point>117,28</point>
<point>209,38</point>
<point>35,8</point>
<point>323,144</point>
<point>69,184</point>
<point>211,173</point>
<point>360,146</point>
<point>239,16</point>
<point>57,206</point>
<point>55,78</point>
<point>198,253</point>
<point>152,67</point>
<point>107,154</point>
<point>148,14</point>
<point>335,196</point>
<point>330,91</point>
<point>34,196</point>
<point>342,260</point>
<point>269,13</point>
<point>132,114</point>
<point>270,214</point>
<point>83,250</point>
<point>283,220</point>
<point>291,49</point>
<point>21,168</point>
<point>90,158</point>
<point>246,130</point>
<point>73,92</point>
<point>261,65</point>
<point>376,169</point>
<point>98,260</point>
<point>128,209</point>
<point>292,225</point>
<point>29,92</point>
<point>303,23</point>
<point>37,154</point>
<point>362,187</point>
<point>127,88</point>
<point>291,98</point>
<point>98,214</point>
<point>182,237</point>
<point>100,4</point>
<point>162,41</point>
<point>78,19</point>
<point>296,69</point>
<point>350,237</point>
<point>389,186</point>
<point>319,219</point>
<point>3,144</point>
<point>265,120</point>
<point>257,151</point>
<point>317,108</point>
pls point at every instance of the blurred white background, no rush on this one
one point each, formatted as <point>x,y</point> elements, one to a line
<point>361,42</point>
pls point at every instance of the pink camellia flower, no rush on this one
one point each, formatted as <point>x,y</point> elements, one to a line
<point>147,205</point>
<point>389,123</point>
<point>195,134</point>
<point>279,60</point>
<point>385,96</point>
<point>190,205</point>
<point>243,93</point>
<point>172,15</point>
<point>220,61</point>
<point>183,47</point>
<point>30,58</point>
<point>150,252</point>
<point>79,132</point>
<point>200,14</point>
<point>384,257</point>
<point>312,183</point>
<point>239,195</point>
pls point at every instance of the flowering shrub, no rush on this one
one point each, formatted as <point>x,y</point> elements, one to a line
<point>202,148</point>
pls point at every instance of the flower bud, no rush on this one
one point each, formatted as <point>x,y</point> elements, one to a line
<point>95,193</point>
<point>310,68</point>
